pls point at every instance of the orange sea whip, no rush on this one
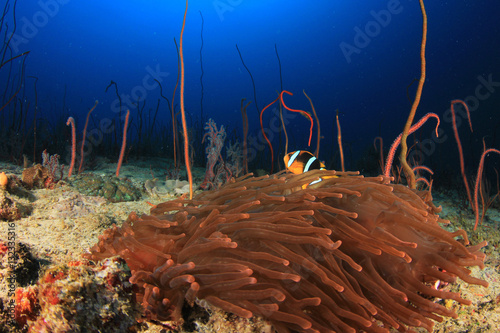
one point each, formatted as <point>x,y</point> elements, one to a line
<point>284,130</point>
<point>299,111</point>
<point>124,143</point>
<point>264,133</point>
<point>183,113</point>
<point>404,148</point>
<point>424,180</point>
<point>423,167</point>
<point>459,145</point>
<point>478,181</point>
<point>339,139</point>
<point>84,135</point>
<point>316,152</point>
<point>395,144</point>
<point>73,144</point>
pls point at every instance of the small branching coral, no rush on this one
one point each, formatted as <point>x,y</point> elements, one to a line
<point>217,172</point>
<point>346,254</point>
<point>45,175</point>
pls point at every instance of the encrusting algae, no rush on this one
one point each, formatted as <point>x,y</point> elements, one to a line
<point>79,298</point>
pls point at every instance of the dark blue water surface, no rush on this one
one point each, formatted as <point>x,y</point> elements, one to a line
<point>360,57</point>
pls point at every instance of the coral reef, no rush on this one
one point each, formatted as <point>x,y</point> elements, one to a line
<point>234,159</point>
<point>10,183</point>
<point>19,268</point>
<point>38,176</point>
<point>216,138</point>
<point>155,188</point>
<point>204,318</point>
<point>45,175</point>
<point>75,205</point>
<point>112,188</point>
<point>6,325</point>
<point>11,191</point>
<point>11,208</point>
<point>27,266</point>
<point>79,298</point>
<point>346,254</point>
<point>27,306</point>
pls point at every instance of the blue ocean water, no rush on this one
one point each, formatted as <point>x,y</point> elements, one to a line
<point>360,57</point>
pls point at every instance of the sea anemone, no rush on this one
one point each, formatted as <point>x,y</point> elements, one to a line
<point>346,254</point>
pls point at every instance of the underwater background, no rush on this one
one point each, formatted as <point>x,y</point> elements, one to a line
<point>361,58</point>
<point>358,61</point>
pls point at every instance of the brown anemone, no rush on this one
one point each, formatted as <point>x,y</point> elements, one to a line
<point>346,254</point>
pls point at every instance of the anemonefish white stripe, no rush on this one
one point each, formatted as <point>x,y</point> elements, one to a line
<point>315,182</point>
<point>309,162</point>
<point>292,158</point>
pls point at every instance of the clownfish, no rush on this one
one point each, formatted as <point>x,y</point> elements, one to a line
<point>301,161</point>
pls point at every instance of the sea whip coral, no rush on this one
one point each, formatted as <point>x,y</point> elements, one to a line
<point>345,254</point>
